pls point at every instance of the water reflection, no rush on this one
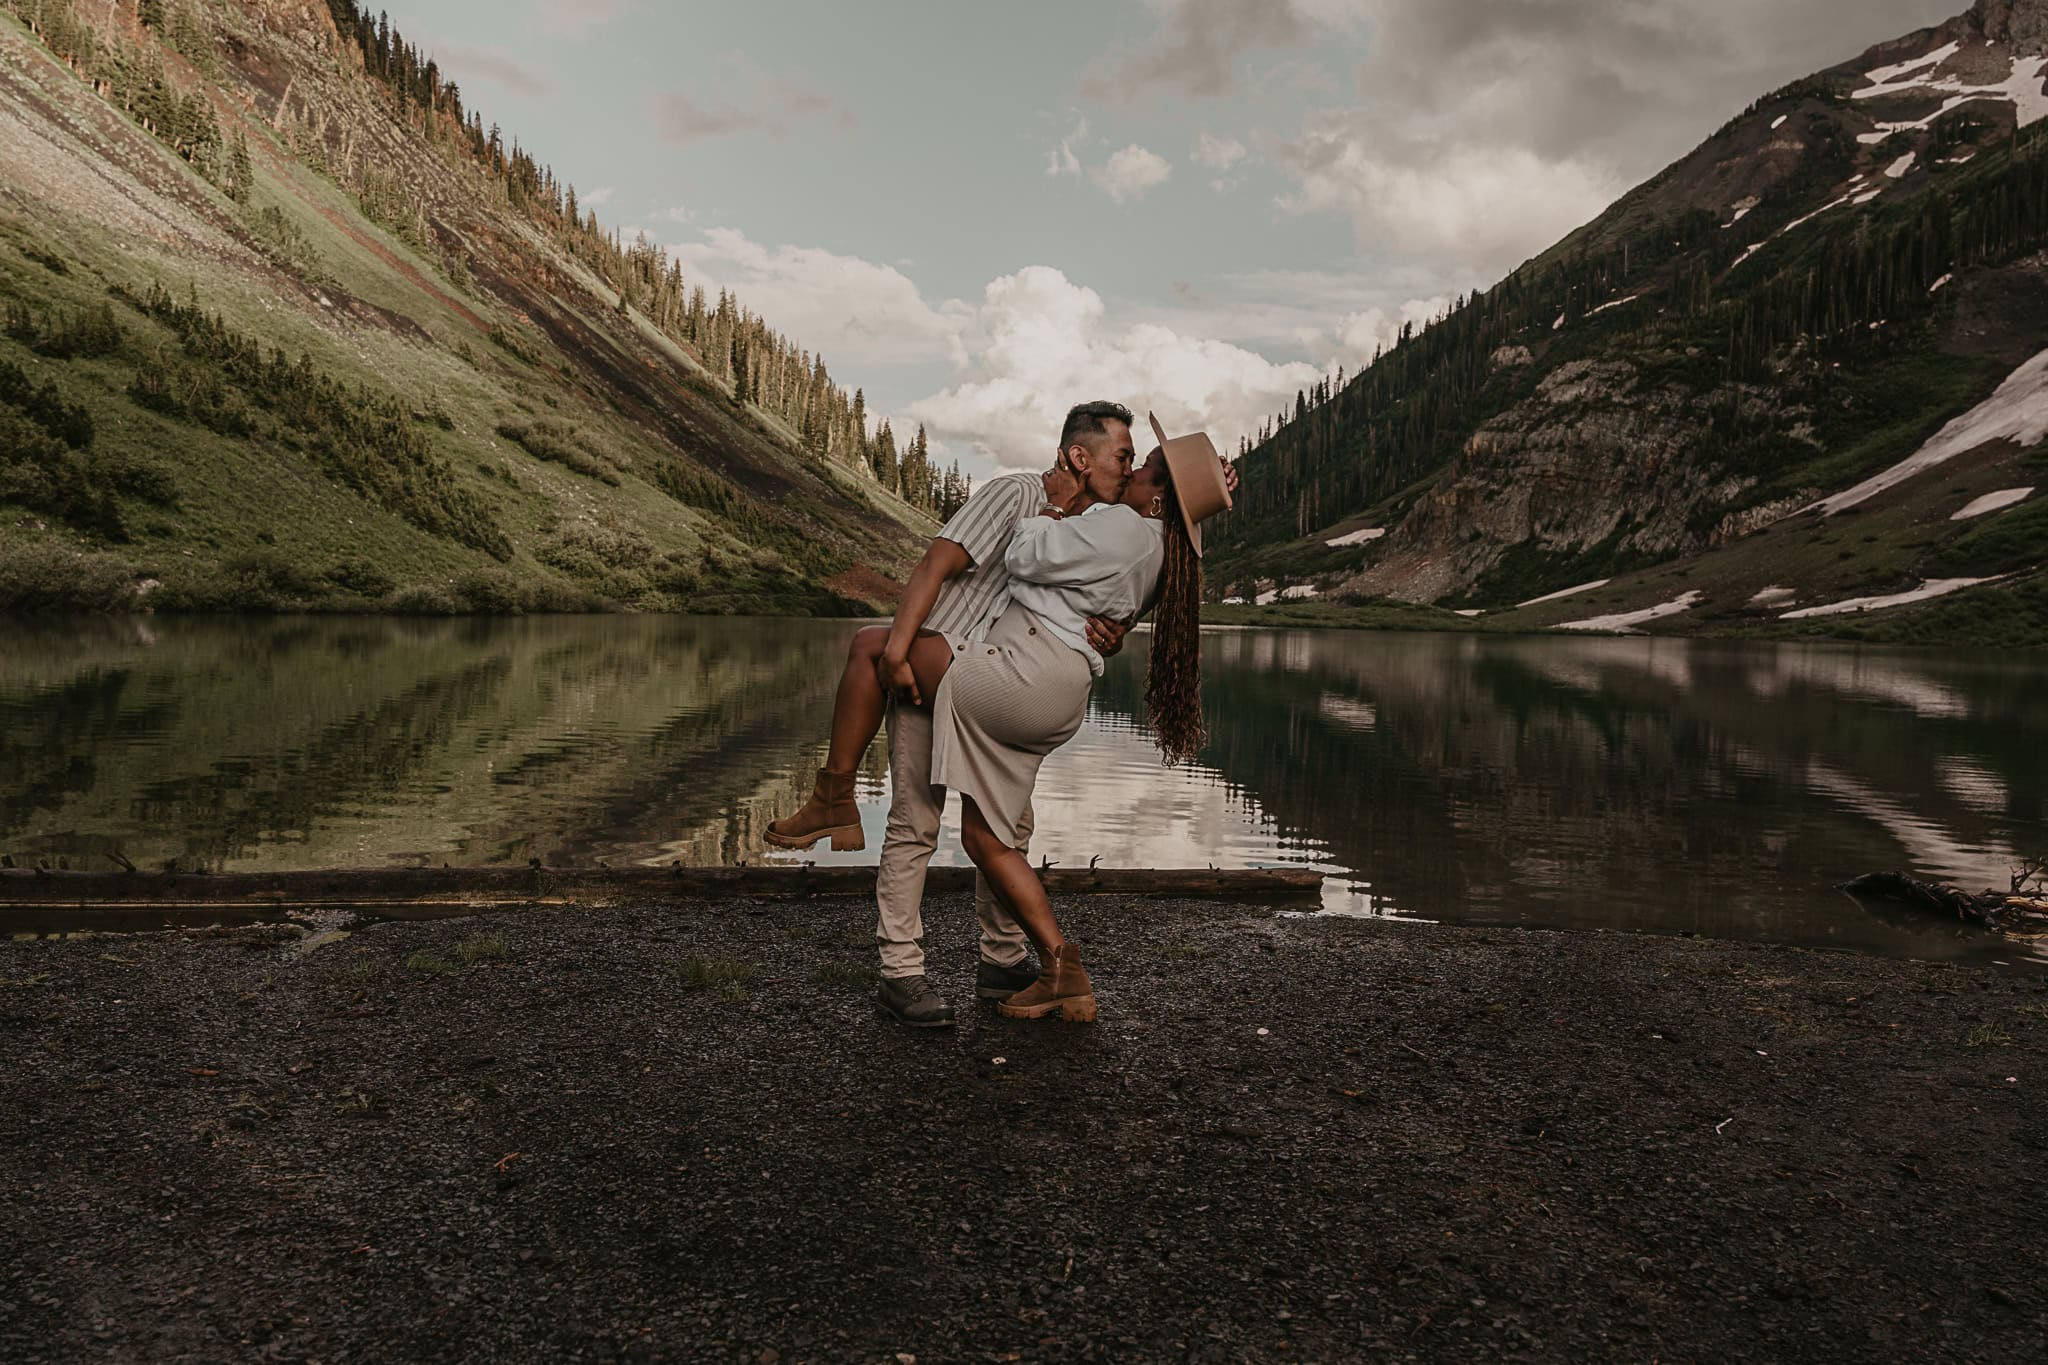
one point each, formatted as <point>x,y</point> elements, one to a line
<point>1659,784</point>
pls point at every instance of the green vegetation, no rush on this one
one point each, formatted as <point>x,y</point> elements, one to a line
<point>1999,616</point>
<point>2011,540</point>
<point>430,963</point>
<point>853,976</point>
<point>563,444</point>
<point>481,948</point>
<point>362,436</point>
<point>1373,614</point>
<point>723,978</point>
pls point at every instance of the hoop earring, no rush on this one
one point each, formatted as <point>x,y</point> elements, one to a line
<point>1158,504</point>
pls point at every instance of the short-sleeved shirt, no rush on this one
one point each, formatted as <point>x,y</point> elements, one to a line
<point>1105,563</point>
<point>972,599</point>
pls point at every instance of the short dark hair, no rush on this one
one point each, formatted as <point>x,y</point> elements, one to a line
<point>1086,419</point>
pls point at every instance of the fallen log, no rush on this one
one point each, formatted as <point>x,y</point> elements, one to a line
<point>40,900</point>
<point>2022,908</point>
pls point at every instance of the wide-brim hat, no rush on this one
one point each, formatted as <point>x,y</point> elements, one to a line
<point>1197,473</point>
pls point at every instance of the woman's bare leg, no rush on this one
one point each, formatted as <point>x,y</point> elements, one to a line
<point>857,709</point>
<point>1011,878</point>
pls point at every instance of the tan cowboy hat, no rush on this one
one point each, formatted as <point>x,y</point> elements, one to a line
<point>1197,473</point>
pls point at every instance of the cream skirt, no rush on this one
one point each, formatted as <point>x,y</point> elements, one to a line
<point>1003,705</point>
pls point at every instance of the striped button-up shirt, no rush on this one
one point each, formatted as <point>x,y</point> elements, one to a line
<point>972,599</point>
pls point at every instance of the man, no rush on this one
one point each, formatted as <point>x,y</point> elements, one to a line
<point>958,590</point>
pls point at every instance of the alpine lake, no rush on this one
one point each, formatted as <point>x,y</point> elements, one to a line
<point>1601,783</point>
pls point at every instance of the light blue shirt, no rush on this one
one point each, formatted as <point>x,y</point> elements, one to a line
<point>1105,562</point>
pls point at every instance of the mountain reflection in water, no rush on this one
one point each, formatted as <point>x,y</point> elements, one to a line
<point>1651,784</point>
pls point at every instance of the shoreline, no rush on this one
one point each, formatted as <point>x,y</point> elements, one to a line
<point>1288,1138</point>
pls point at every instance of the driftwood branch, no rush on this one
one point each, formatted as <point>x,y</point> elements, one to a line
<point>2022,907</point>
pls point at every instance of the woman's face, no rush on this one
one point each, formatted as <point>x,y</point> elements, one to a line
<point>1148,481</point>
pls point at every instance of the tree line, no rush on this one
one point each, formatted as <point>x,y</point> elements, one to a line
<point>1847,281</point>
<point>762,366</point>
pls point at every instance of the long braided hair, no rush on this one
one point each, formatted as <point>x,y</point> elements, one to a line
<point>1173,686</point>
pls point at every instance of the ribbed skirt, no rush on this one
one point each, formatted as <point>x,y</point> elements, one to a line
<point>1003,705</point>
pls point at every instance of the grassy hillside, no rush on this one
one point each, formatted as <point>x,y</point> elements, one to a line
<point>273,387</point>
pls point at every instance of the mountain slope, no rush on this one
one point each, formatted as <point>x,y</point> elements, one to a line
<point>1650,409</point>
<point>284,329</point>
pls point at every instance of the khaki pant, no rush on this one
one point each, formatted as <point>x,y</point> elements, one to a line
<point>907,847</point>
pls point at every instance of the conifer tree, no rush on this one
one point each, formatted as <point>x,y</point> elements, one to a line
<point>241,171</point>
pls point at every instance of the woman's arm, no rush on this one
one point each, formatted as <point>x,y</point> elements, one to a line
<point>1060,553</point>
<point>942,560</point>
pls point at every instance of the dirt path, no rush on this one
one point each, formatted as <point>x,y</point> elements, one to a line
<point>1288,1139</point>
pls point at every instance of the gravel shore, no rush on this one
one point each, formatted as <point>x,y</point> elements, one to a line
<point>683,1132</point>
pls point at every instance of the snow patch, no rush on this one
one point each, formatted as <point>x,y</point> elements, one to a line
<point>1626,621</point>
<point>1867,196</point>
<point>1992,502</point>
<point>1614,303</point>
<point>1356,538</point>
<point>1939,283</point>
<point>1898,168</point>
<point>1267,598</point>
<point>1779,121</point>
<point>1559,324</point>
<point>2022,86</point>
<point>1564,592</point>
<point>1740,214</point>
<point>1300,592</point>
<point>1773,597</point>
<point>1886,75</point>
<point>2018,412</point>
<point>1471,611</point>
<point>1933,587</point>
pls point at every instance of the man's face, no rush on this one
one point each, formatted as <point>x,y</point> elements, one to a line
<point>1104,462</point>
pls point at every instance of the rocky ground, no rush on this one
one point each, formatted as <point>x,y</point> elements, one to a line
<point>683,1133</point>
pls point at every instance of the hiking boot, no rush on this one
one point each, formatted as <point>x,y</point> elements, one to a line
<point>830,811</point>
<point>996,983</point>
<point>1062,987</point>
<point>913,1000</point>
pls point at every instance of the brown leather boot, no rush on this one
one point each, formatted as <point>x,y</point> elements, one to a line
<point>1062,985</point>
<point>831,810</point>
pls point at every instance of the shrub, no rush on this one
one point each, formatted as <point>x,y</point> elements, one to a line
<point>562,444</point>
<point>422,599</point>
<point>64,334</point>
<point>361,577</point>
<point>46,576</point>
<point>490,592</point>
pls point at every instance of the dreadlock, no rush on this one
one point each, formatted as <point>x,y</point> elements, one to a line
<point>1173,686</point>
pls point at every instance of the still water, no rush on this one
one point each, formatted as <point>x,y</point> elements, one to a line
<point>1660,785</point>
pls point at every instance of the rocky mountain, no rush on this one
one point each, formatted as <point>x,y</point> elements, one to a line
<point>286,327</point>
<point>1797,376</point>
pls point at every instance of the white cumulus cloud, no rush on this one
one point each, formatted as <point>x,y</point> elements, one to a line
<point>1474,204</point>
<point>1218,153</point>
<point>1130,172</point>
<point>1042,343</point>
<point>849,309</point>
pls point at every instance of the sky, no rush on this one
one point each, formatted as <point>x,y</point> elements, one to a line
<point>981,213</point>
